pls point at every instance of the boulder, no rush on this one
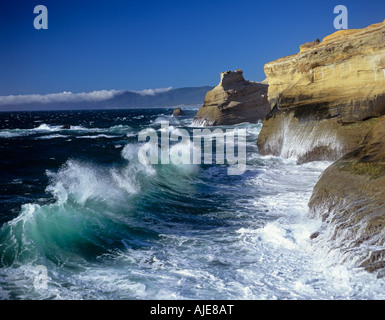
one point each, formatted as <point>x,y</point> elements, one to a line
<point>234,100</point>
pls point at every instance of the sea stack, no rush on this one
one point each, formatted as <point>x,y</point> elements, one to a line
<point>324,99</point>
<point>234,100</point>
<point>178,112</point>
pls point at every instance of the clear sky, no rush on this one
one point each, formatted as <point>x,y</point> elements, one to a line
<point>136,45</point>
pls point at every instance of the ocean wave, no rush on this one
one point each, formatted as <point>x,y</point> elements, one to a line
<point>98,136</point>
<point>132,230</point>
<point>72,130</point>
<point>91,211</point>
<point>201,123</point>
<point>169,119</point>
<point>52,136</point>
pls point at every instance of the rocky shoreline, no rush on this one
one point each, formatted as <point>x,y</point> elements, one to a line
<point>326,102</point>
<point>350,199</point>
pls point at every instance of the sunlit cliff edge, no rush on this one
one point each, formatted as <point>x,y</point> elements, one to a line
<point>323,97</point>
<point>328,103</point>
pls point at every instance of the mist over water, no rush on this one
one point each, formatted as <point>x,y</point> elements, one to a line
<point>105,226</point>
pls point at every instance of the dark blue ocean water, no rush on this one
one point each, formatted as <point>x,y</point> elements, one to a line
<point>77,204</point>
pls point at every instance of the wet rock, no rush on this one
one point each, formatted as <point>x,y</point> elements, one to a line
<point>350,200</point>
<point>314,235</point>
<point>178,112</point>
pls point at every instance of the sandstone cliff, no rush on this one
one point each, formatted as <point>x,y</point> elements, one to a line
<point>234,100</point>
<point>323,98</point>
<point>350,199</point>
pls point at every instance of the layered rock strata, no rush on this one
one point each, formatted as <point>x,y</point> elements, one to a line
<point>234,100</point>
<point>323,99</point>
<point>328,103</point>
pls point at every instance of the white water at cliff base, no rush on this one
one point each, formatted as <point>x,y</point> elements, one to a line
<point>163,232</point>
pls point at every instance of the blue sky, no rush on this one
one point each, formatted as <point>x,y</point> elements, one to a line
<point>136,45</point>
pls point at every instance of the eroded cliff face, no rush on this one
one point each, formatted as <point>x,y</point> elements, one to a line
<point>234,100</point>
<point>324,97</point>
<point>350,200</point>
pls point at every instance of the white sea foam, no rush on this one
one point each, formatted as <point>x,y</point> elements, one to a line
<point>201,122</point>
<point>52,136</point>
<point>11,133</point>
<point>294,140</point>
<point>276,261</point>
<point>97,136</point>
<point>169,119</point>
<point>82,182</point>
<point>73,130</point>
<point>249,241</point>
